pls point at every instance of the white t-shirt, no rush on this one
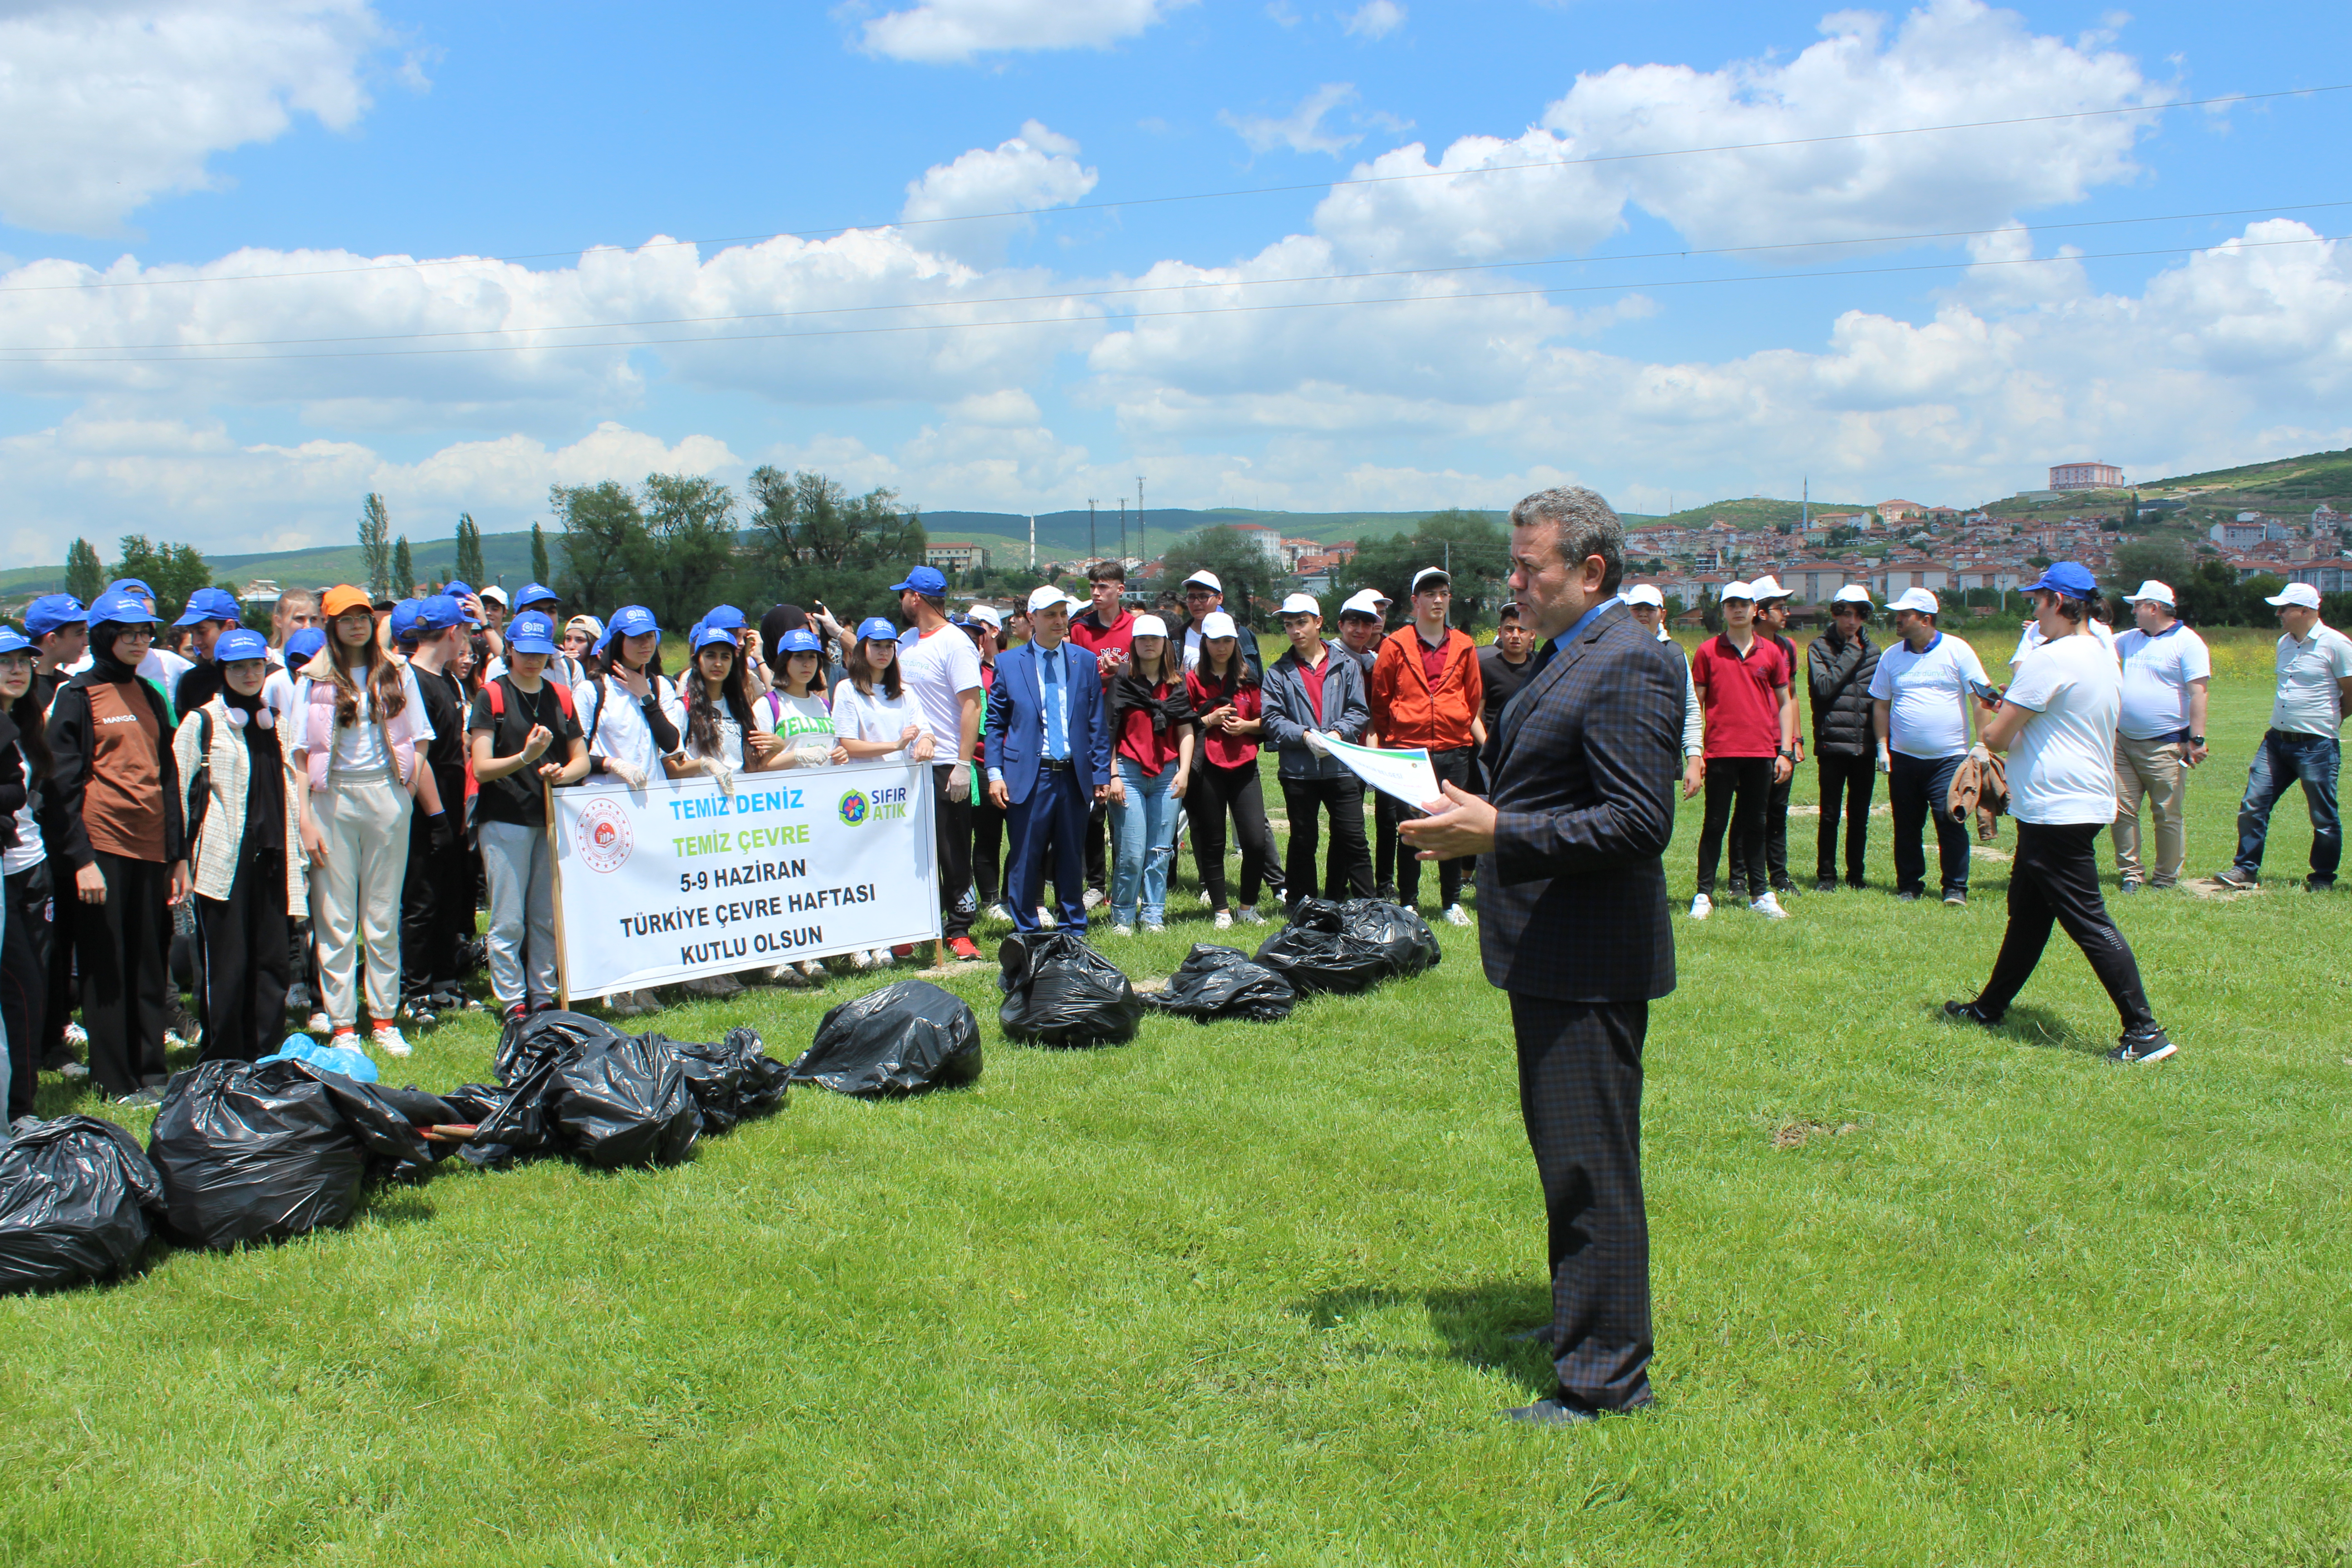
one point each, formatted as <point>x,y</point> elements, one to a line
<point>2061,767</point>
<point>933,671</point>
<point>277,695</point>
<point>360,747</point>
<point>859,717</point>
<point>731,733</point>
<point>621,732</point>
<point>2157,673</point>
<point>2032,639</point>
<point>2309,701</point>
<point>1925,690</point>
<point>28,851</point>
<point>806,725</point>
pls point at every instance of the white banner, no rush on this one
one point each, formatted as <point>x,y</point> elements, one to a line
<point>678,879</point>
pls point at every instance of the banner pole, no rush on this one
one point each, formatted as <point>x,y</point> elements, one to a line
<point>555,879</point>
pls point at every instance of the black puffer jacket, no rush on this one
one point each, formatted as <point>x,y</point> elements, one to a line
<point>1840,673</point>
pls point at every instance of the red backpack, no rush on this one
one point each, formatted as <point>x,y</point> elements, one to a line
<point>497,692</point>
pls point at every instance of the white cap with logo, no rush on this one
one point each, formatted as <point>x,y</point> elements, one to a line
<point>2151,592</point>
<point>1207,579</point>
<point>1364,602</point>
<point>989,613</point>
<point>1443,579</point>
<point>1217,623</point>
<point>1767,586</point>
<point>1045,597</point>
<point>1737,591</point>
<point>2300,594</point>
<point>1300,604</point>
<point>1917,599</point>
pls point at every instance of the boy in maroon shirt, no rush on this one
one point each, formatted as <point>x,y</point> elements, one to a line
<point>1743,682</point>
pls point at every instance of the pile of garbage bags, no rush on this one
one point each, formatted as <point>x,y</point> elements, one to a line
<point>901,1040</point>
<point>1225,983</point>
<point>1340,949</point>
<point>1060,992</point>
<point>79,1204</point>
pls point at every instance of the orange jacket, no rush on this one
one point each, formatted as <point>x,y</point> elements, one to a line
<point>1406,712</point>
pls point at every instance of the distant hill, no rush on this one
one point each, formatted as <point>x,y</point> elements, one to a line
<point>1749,511</point>
<point>507,556</point>
<point>1063,534</point>
<point>2315,477</point>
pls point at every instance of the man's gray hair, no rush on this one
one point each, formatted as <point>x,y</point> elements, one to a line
<point>1583,524</point>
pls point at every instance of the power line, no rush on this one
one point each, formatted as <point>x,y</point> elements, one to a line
<point>1155,289</point>
<point>1597,158</point>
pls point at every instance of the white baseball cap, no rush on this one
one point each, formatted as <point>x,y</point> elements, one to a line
<point>1852,594</point>
<point>1217,623</point>
<point>1045,597</point>
<point>2151,593</point>
<point>1766,587</point>
<point>1300,604</point>
<point>2302,594</point>
<point>1426,572</point>
<point>1737,591</point>
<point>1917,599</point>
<point>495,593</point>
<point>991,615</point>
<point>1364,602</point>
<point>1207,579</point>
<point>1645,594</point>
<point>1150,626</point>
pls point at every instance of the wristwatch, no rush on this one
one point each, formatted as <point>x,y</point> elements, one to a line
<point>2196,740</point>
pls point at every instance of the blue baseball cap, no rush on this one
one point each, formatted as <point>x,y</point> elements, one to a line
<point>50,611</point>
<point>530,633</point>
<point>124,608</point>
<point>725,617</point>
<point>132,583</point>
<point>711,636</point>
<point>800,639</point>
<point>437,613</point>
<point>630,621</point>
<point>535,593</point>
<point>928,580</point>
<point>2071,578</point>
<point>14,641</point>
<point>876,628</point>
<point>239,642</point>
<point>209,604</point>
<point>457,587</point>
<point>303,646</point>
<point>403,620</point>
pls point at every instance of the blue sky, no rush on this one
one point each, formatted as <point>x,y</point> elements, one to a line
<point>210,327</point>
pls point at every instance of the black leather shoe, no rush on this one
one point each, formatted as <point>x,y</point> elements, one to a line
<point>1968,1013</point>
<point>1550,1412</point>
<point>1538,1335</point>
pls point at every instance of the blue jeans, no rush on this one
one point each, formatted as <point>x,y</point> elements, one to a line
<point>2282,759</point>
<point>1145,826</point>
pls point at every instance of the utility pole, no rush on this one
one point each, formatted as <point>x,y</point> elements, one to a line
<point>1032,542</point>
<point>1122,528</point>
<point>1091,550</point>
<point>1142,528</point>
<point>1809,505</point>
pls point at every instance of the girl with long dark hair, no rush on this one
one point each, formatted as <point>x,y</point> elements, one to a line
<point>1151,719</point>
<point>25,942</point>
<point>873,716</point>
<point>1225,697</point>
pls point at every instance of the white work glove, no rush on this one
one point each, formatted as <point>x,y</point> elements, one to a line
<point>960,782</point>
<point>1318,744</point>
<point>724,772</point>
<point>628,773</point>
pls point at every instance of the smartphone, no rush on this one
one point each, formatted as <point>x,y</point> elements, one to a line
<point>1986,691</point>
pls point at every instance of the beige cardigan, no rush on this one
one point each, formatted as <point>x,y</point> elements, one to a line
<point>214,855</point>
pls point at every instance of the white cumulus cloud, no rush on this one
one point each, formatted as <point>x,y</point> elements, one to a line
<point>105,107</point>
<point>952,31</point>
<point>1302,130</point>
<point>1376,19</point>
<point>1027,172</point>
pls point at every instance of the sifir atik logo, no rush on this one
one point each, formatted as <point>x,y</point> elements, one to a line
<point>853,808</point>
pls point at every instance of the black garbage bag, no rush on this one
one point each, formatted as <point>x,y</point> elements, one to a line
<point>1225,983</point>
<point>78,1204</point>
<point>475,1103</point>
<point>900,1039</point>
<point>1343,948</point>
<point>527,1044</point>
<point>608,1100</point>
<point>730,1080</point>
<point>423,1109</point>
<point>263,1151</point>
<point>1060,992</point>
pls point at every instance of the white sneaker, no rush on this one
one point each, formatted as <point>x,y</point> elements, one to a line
<point>1224,920</point>
<point>1093,898</point>
<point>718,987</point>
<point>77,1035</point>
<point>861,959</point>
<point>1769,907</point>
<point>627,1004</point>
<point>1154,927</point>
<point>997,913</point>
<point>814,972</point>
<point>390,1041</point>
<point>1118,929</point>
<point>319,1025</point>
<point>1206,903</point>
<point>1045,916</point>
<point>786,976</point>
<point>1456,915</point>
<point>1701,907</point>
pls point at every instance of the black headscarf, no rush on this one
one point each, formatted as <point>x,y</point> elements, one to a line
<point>102,662</point>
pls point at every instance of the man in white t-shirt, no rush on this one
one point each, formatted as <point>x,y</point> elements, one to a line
<point>2166,670</point>
<point>2057,721</point>
<point>1920,706</point>
<point>2314,690</point>
<point>940,670</point>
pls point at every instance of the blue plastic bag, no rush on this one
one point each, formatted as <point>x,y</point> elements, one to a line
<point>345,1059</point>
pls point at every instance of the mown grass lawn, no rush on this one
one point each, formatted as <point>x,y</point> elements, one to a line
<point>1243,1294</point>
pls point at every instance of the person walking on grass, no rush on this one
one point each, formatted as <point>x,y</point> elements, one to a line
<point>1751,722</point>
<point>1839,667</point>
<point>1151,729</point>
<point>526,740</point>
<point>1049,751</point>
<point>2314,690</point>
<point>1921,708</point>
<point>1311,692</point>
<point>1649,608</point>
<point>1427,692</point>
<point>2057,721</point>
<point>1573,896</point>
<point>2160,737</point>
<point>1771,626</point>
<point>1228,702</point>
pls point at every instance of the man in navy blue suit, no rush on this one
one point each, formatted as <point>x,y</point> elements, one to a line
<point>1048,760</point>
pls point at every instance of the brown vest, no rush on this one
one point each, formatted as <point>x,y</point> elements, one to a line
<point>123,809</point>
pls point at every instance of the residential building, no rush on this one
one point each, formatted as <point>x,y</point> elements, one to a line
<point>1901,510</point>
<point>2085,477</point>
<point>950,555</point>
<point>2333,576</point>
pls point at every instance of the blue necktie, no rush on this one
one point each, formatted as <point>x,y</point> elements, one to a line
<point>1057,740</point>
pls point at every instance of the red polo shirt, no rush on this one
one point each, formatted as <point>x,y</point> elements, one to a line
<point>1742,697</point>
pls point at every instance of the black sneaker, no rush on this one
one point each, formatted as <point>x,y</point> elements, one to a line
<point>1910,895</point>
<point>1968,1013</point>
<point>2145,1044</point>
<point>2320,884</point>
<point>2235,879</point>
<point>1386,892</point>
<point>1826,884</point>
<point>1957,897</point>
<point>1735,890</point>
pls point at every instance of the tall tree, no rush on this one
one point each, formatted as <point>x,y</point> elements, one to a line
<point>173,570</point>
<point>1254,582</point>
<point>814,543</point>
<point>603,530</point>
<point>1474,552</point>
<point>684,560</point>
<point>539,573</point>
<point>84,574</point>
<point>468,569</point>
<point>404,569</point>
<point>375,544</point>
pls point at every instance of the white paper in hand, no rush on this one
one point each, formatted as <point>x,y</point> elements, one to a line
<point>1404,775</point>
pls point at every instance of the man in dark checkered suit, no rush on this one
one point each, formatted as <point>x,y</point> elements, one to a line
<point>1572,923</point>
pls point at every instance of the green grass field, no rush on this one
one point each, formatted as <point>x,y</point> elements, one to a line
<point>1242,1293</point>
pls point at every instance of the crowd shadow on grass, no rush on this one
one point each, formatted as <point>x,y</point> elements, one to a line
<point>2034,1026</point>
<point>1474,1323</point>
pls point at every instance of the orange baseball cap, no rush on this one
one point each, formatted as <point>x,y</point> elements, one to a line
<point>341,598</point>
